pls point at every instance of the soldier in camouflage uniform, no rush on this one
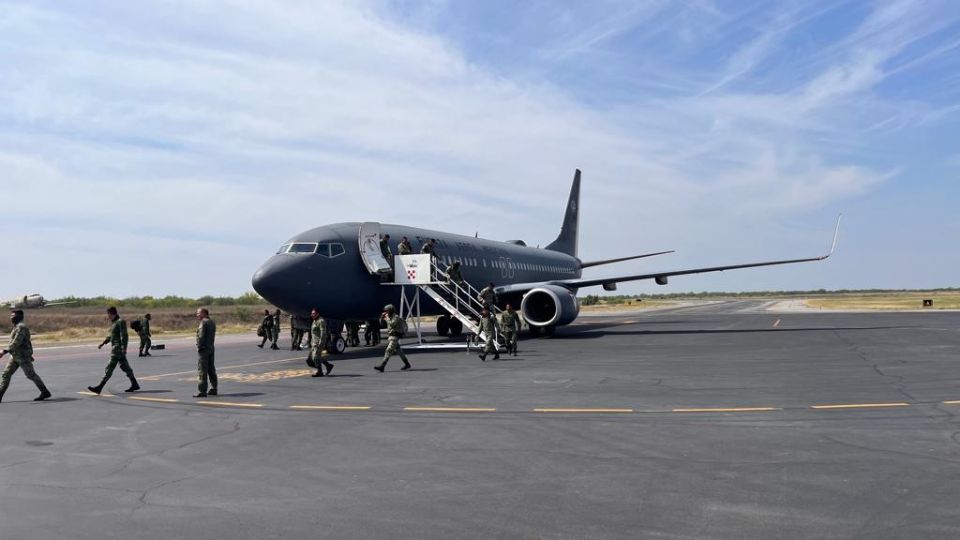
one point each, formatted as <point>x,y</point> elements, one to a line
<point>488,297</point>
<point>454,275</point>
<point>296,335</point>
<point>489,328</point>
<point>510,326</point>
<point>404,247</point>
<point>145,336</point>
<point>430,247</point>
<point>371,333</point>
<point>385,249</point>
<point>266,328</point>
<point>206,369</point>
<point>394,333</point>
<point>118,340</point>
<point>21,352</point>
<point>276,331</point>
<point>320,335</point>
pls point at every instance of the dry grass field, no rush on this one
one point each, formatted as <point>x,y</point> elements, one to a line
<point>886,301</point>
<point>82,323</point>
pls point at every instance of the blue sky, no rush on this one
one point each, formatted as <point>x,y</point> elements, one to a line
<point>169,147</point>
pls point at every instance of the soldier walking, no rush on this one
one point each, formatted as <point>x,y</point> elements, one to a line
<point>296,335</point>
<point>404,247</point>
<point>488,297</point>
<point>430,247</point>
<point>394,333</point>
<point>453,274</point>
<point>385,249</point>
<point>21,357</point>
<point>144,333</point>
<point>266,328</point>
<point>489,328</point>
<point>118,340</point>
<point>510,326</point>
<point>206,370</point>
<point>276,331</point>
<point>319,335</point>
<point>371,333</point>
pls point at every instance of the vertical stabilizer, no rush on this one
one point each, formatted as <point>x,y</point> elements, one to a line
<point>567,241</point>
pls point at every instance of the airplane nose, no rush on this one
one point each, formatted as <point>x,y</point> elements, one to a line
<point>276,281</point>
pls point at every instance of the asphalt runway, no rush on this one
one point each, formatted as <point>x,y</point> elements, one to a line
<point>714,421</point>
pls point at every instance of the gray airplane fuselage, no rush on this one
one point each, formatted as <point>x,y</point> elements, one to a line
<point>341,288</point>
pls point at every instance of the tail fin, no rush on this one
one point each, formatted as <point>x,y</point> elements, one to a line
<point>567,241</point>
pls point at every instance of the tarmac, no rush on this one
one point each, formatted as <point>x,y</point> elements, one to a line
<point>714,421</point>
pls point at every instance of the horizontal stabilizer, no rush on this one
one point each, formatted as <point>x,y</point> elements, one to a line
<point>621,259</point>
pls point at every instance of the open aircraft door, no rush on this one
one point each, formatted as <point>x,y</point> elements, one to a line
<point>373,259</point>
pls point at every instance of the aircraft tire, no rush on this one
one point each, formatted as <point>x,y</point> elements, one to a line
<point>443,325</point>
<point>337,346</point>
<point>456,328</point>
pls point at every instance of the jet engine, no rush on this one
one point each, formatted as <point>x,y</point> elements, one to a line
<point>550,305</point>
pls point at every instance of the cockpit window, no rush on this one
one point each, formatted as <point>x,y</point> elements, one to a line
<point>283,249</point>
<point>331,250</point>
<point>303,248</point>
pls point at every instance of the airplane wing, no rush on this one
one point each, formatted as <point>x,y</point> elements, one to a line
<point>588,264</point>
<point>661,277</point>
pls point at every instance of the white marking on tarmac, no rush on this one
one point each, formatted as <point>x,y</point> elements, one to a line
<point>777,323</point>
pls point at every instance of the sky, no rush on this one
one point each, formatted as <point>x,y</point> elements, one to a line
<point>169,147</point>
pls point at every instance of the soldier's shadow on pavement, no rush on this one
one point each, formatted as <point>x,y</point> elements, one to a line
<point>154,391</point>
<point>348,376</point>
<point>61,400</point>
<point>240,394</point>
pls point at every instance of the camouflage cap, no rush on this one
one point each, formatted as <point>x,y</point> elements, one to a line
<point>389,307</point>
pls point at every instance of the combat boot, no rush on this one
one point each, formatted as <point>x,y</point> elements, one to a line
<point>329,367</point>
<point>96,389</point>
<point>200,395</point>
<point>1,395</point>
<point>482,357</point>
<point>133,386</point>
<point>212,392</point>
<point>319,373</point>
<point>496,355</point>
<point>380,367</point>
<point>274,347</point>
<point>44,394</point>
<point>406,366</point>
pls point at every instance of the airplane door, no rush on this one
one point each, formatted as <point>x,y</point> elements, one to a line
<point>370,249</point>
<point>510,268</point>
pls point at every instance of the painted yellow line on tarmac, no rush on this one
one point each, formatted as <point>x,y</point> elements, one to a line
<point>583,410</point>
<point>861,405</point>
<point>229,404</point>
<point>85,393</point>
<point>728,409</point>
<point>449,409</point>
<point>156,399</point>
<point>329,408</point>
<point>776,323</point>
<point>220,368</point>
<point>951,402</point>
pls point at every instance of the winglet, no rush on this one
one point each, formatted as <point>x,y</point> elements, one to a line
<point>836,236</point>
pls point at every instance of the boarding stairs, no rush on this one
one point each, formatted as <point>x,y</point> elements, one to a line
<point>460,300</point>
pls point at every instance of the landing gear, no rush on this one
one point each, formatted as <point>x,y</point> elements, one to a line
<point>443,325</point>
<point>537,331</point>
<point>456,328</point>
<point>337,345</point>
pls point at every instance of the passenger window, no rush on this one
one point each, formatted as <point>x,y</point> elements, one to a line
<point>302,248</point>
<point>324,250</point>
<point>336,250</point>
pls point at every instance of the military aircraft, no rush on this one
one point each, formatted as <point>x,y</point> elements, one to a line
<point>30,301</point>
<point>339,270</point>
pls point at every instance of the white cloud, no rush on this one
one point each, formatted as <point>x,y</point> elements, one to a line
<point>209,132</point>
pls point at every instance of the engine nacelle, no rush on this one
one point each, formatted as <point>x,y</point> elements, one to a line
<point>550,305</point>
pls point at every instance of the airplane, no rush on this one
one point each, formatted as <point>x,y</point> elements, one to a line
<point>31,301</point>
<point>338,269</point>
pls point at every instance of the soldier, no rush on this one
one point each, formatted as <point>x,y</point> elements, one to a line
<point>385,249</point>
<point>296,335</point>
<point>371,333</point>
<point>394,333</point>
<point>404,247</point>
<point>489,328</point>
<point>453,274</point>
<point>118,340</point>
<point>266,328</point>
<point>353,334</point>
<point>206,370</point>
<point>21,353</point>
<point>319,336</point>
<point>488,297</point>
<point>145,335</point>
<point>276,331</point>
<point>510,325</point>
<point>430,247</point>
